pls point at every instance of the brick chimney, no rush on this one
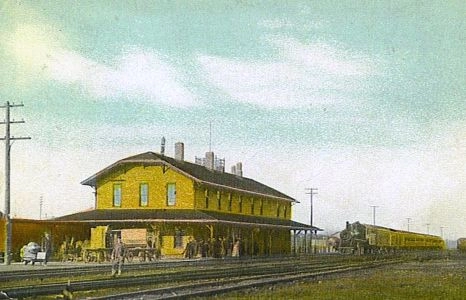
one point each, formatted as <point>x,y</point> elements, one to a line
<point>162,146</point>
<point>179,151</point>
<point>233,170</point>
<point>209,160</point>
<point>239,169</point>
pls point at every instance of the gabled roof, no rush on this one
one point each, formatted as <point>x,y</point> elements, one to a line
<point>196,172</point>
<point>166,216</point>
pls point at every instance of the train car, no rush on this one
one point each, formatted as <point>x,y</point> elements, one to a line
<point>364,238</point>
<point>461,245</point>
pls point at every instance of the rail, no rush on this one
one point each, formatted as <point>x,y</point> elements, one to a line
<point>237,271</point>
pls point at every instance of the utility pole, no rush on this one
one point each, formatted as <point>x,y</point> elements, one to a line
<point>41,201</point>
<point>8,139</point>
<point>409,219</point>
<point>373,213</point>
<point>441,231</point>
<point>427,225</point>
<point>311,192</point>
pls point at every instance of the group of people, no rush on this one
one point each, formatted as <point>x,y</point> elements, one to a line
<point>71,250</point>
<point>34,252</point>
<point>215,247</point>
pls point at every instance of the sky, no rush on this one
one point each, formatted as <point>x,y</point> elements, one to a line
<point>363,100</point>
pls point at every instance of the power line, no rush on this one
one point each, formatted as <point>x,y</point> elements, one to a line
<point>8,139</point>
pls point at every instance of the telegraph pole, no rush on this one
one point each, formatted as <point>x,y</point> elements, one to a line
<point>41,201</point>
<point>373,213</point>
<point>441,231</point>
<point>8,139</point>
<point>311,192</point>
<point>409,219</point>
<point>427,226</point>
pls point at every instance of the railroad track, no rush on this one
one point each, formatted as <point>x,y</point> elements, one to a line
<point>215,287</point>
<point>90,269</point>
<point>83,270</point>
<point>240,272</point>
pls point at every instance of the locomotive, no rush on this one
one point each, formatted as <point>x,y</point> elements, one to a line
<point>364,238</point>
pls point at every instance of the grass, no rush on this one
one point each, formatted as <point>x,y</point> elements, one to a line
<point>445,279</point>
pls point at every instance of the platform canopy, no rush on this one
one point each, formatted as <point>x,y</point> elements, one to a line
<point>183,216</point>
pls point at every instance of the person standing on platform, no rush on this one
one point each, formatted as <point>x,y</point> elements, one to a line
<point>236,249</point>
<point>46,247</point>
<point>117,256</point>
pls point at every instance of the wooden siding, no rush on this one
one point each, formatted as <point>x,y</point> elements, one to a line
<point>156,177</point>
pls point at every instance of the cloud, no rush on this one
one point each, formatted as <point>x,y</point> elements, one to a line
<point>137,73</point>
<point>325,58</point>
<point>315,74</point>
<point>281,23</point>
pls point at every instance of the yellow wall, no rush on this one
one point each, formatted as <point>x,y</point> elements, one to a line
<point>269,206</point>
<point>188,194</point>
<point>25,231</point>
<point>157,180</point>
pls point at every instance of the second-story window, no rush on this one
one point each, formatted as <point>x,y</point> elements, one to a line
<point>240,204</point>
<point>171,194</point>
<point>252,206</point>
<point>262,207</point>
<point>230,200</point>
<point>117,195</point>
<point>206,198</point>
<point>219,200</point>
<point>143,194</point>
<point>278,209</point>
<point>285,211</point>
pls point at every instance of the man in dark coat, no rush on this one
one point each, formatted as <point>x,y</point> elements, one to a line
<point>117,256</point>
<point>46,247</point>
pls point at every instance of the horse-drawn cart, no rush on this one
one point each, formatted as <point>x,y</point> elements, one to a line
<point>137,244</point>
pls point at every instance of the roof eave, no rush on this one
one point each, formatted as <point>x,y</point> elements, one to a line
<point>92,181</point>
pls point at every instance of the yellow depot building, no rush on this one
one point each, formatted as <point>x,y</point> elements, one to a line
<point>174,203</point>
